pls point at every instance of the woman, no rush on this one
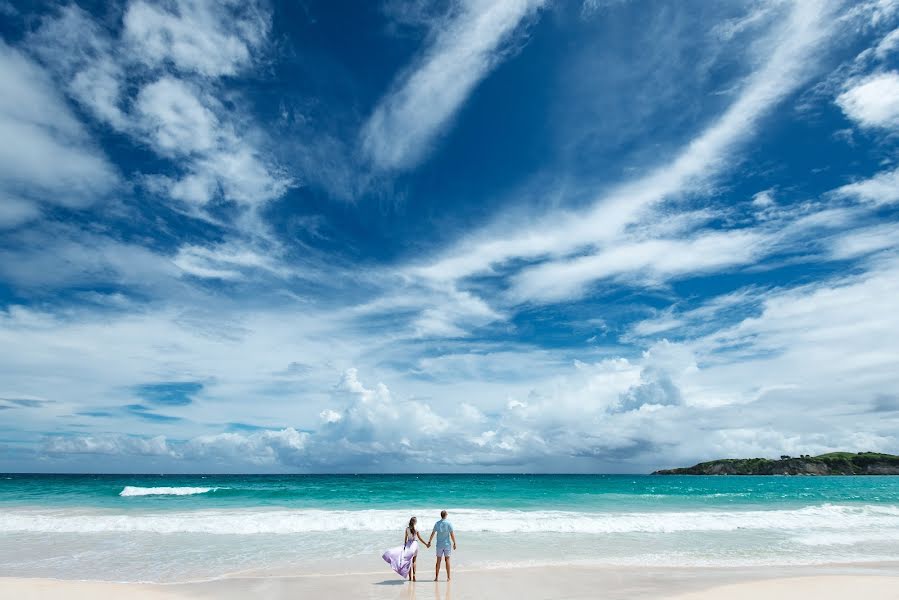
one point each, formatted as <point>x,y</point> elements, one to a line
<point>402,559</point>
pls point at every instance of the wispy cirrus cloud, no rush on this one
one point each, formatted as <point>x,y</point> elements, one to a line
<point>48,156</point>
<point>560,250</point>
<point>650,261</point>
<point>785,69</point>
<point>463,48</point>
<point>881,189</point>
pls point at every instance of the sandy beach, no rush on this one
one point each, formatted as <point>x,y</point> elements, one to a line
<point>871,582</point>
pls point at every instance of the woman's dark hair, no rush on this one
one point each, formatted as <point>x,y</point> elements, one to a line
<point>412,522</point>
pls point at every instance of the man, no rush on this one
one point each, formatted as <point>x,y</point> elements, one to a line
<point>443,529</point>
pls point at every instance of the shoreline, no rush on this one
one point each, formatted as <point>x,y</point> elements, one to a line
<point>872,581</point>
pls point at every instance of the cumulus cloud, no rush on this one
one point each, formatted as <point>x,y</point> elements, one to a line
<point>464,48</point>
<point>178,123</point>
<point>373,427</point>
<point>157,82</point>
<point>873,101</point>
<point>210,38</point>
<point>282,447</point>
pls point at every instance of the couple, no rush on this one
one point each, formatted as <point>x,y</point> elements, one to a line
<point>402,558</point>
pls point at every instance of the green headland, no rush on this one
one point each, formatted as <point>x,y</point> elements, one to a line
<point>833,463</point>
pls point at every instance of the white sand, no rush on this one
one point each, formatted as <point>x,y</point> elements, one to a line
<point>797,588</point>
<point>880,583</point>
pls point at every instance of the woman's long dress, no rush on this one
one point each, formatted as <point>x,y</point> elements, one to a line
<point>400,558</point>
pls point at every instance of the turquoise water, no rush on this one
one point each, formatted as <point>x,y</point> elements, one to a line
<point>522,492</point>
<point>170,528</point>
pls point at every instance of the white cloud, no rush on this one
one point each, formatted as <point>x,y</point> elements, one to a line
<point>755,386</point>
<point>284,447</point>
<point>454,308</point>
<point>15,211</point>
<point>866,241</point>
<point>330,416</point>
<point>756,16</point>
<point>760,371</point>
<point>873,101</point>
<point>464,49</point>
<point>225,261</point>
<point>830,324</point>
<point>707,317</point>
<point>276,447</point>
<point>887,45</point>
<point>89,68</point>
<point>193,188</point>
<point>210,38</point>
<point>763,199</point>
<point>158,83</point>
<point>108,444</point>
<point>656,325</point>
<point>47,156</point>
<point>177,122</point>
<point>181,122</point>
<point>244,175</point>
<point>374,423</point>
<point>789,63</point>
<point>881,189</point>
<point>89,259</point>
<point>650,261</point>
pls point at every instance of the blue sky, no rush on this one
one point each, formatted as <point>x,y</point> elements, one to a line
<point>446,236</point>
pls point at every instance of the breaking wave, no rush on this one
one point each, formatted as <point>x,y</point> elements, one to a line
<point>827,517</point>
<point>131,490</point>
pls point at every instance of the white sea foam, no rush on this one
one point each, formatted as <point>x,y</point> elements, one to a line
<point>131,490</point>
<point>826,517</point>
<point>842,538</point>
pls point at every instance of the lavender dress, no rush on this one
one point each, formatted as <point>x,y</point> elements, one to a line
<point>400,558</point>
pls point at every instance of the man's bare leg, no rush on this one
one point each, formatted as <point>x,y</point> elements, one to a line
<point>437,569</point>
<point>447,568</point>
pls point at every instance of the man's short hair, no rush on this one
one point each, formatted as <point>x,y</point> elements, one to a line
<point>442,514</point>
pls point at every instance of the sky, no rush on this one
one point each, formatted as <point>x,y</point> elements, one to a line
<point>452,236</point>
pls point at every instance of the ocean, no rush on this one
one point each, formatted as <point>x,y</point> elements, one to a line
<point>187,528</point>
